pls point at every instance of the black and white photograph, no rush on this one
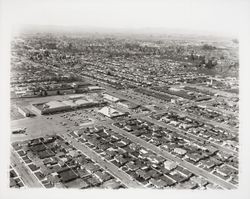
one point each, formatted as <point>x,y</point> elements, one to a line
<point>124,95</point>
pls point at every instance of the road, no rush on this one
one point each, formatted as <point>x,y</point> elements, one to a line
<point>27,176</point>
<point>223,93</point>
<point>146,117</point>
<point>40,126</point>
<point>190,135</point>
<point>216,123</point>
<point>201,119</point>
<point>114,170</point>
<point>122,175</point>
<point>198,118</point>
<point>217,109</point>
<point>49,127</point>
<point>192,168</point>
<point>172,108</point>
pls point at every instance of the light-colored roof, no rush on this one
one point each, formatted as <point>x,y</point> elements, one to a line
<point>170,164</point>
<point>128,104</point>
<point>81,101</point>
<point>110,97</point>
<point>174,89</point>
<point>94,87</point>
<point>77,96</point>
<point>69,102</point>
<point>55,104</point>
<point>110,112</point>
<point>180,150</point>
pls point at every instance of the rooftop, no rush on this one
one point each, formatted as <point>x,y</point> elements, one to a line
<point>110,112</point>
<point>55,104</point>
<point>110,97</point>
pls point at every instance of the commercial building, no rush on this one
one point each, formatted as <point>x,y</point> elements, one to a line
<point>110,98</point>
<point>76,96</point>
<point>70,103</point>
<point>127,104</point>
<point>24,111</point>
<point>50,107</point>
<point>95,88</point>
<point>57,106</point>
<point>66,91</point>
<point>82,102</point>
<point>25,93</point>
<point>110,112</point>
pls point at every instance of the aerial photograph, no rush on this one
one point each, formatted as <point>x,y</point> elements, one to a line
<point>97,108</point>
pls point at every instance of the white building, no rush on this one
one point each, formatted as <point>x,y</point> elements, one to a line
<point>70,103</point>
<point>76,96</point>
<point>110,97</point>
<point>50,107</point>
<point>95,88</point>
<point>110,112</point>
<point>180,151</point>
<point>24,111</point>
<point>127,105</point>
<point>170,165</point>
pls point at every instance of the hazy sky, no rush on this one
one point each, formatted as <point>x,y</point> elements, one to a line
<point>219,16</point>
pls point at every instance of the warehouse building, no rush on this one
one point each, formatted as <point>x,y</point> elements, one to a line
<point>127,104</point>
<point>95,88</point>
<point>110,98</point>
<point>76,96</point>
<point>71,103</point>
<point>66,105</point>
<point>24,111</point>
<point>50,107</point>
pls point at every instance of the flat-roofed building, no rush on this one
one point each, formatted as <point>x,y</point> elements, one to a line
<point>81,102</point>
<point>86,103</point>
<point>110,98</point>
<point>76,96</point>
<point>70,103</point>
<point>24,111</point>
<point>127,104</point>
<point>170,165</point>
<point>95,88</point>
<point>50,107</point>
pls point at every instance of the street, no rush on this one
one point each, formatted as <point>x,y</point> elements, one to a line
<point>115,171</point>
<point>167,155</point>
<point>28,178</point>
